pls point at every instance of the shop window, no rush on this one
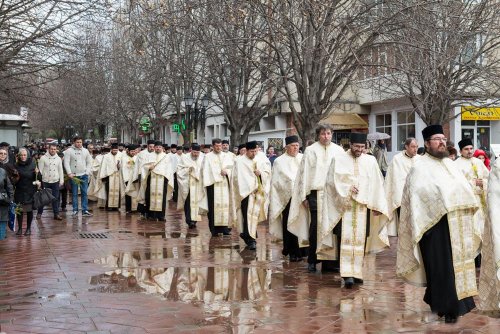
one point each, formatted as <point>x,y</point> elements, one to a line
<point>383,124</point>
<point>406,127</point>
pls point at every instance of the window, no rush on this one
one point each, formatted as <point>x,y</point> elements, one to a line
<point>406,127</point>
<point>383,124</point>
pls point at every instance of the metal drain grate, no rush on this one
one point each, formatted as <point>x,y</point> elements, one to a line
<point>92,235</point>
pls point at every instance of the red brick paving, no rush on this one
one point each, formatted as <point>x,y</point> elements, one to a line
<point>151,277</point>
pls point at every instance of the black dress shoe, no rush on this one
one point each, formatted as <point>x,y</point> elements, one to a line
<point>349,282</point>
<point>19,231</point>
<point>311,267</point>
<point>252,245</point>
<point>450,319</point>
<point>294,258</point>
<point>28,232</point>
<point>358,280</point>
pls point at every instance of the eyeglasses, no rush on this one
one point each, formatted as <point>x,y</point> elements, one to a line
<point>444,140</point>
<point>3,153</point>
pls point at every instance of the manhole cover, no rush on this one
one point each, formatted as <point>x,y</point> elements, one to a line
<point>92,235</point>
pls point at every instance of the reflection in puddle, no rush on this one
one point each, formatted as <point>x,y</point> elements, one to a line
<point>169,235</point>
<point>208,285</point>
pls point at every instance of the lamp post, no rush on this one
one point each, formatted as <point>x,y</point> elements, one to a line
<point>196,115</point>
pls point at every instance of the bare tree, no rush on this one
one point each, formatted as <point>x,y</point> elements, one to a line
<point>443,54</point>
<point>239,63</point>
<point>318,45</point>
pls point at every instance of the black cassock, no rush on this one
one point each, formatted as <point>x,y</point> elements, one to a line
<point>441,294</point>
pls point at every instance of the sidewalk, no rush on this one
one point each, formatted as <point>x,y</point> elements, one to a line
<point>112,274</point>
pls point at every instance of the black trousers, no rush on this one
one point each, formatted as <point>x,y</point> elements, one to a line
<point>211,217</point>
<point>312,200</point>
<point>176,189</point>
<point>244,210</point>
<point>290,240</point>
<point>441,294</point>
<point>156,214</point>
<point>187,209</point>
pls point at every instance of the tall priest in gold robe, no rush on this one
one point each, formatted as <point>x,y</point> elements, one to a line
<point>354,188</point>
<point>284,173</point>
<point>156,183</point>
<point>250,185</point>
<point>128,160</point>
<point>477,174</point>
<point>190,185</point>
<point>306,207</point>
<point>437,242</point>
<point>135,181</point>
<point>216,173</point>
<point>109,174</point>
<point>489,280</point>
<point>394,182</point>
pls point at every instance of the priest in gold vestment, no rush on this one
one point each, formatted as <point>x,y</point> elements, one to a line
<point>128,161</point>
<point>477,174</point>
<point>394,182</point>
<point>284,172</point>
<point>306,207</point>
<point>156,182</point>
<point>136,178</point>
<point>109,174</point>
<point>489,280</point>
<point>190,186</point>
<point>354,188</point>
<point>250,183</point>
<point>437,241</point>
<point>216,172</point>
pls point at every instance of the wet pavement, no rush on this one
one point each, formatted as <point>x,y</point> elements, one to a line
<point>114,274</point>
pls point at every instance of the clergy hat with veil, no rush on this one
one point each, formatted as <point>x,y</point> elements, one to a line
<point>431,130</point>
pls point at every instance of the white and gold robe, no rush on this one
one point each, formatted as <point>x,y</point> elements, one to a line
<point>162,169</point>
<point>127,171</point>
<point>341,203</point>
<point>434,188</point>
<point>136,178</point>
<point>394,183</point>
<point>474,168</point>
<point>489,280</point>
<point>244,183</point>
<point>311,176</point>
<point>189,181</point>
<point>212,166</point>
<point>116,189</point>
<point>283,176</point>
<point>95,184</point>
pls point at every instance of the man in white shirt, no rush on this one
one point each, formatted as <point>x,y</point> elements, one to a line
<point>50,166</point>
<point>78,165</point>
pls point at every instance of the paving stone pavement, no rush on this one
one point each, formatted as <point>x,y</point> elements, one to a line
<point>112,273</point>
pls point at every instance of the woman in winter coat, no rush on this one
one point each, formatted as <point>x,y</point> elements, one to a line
<point>25,188</point>
<point>7,190</point>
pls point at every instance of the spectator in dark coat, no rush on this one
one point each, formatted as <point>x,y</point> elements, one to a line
<point>5,188</point>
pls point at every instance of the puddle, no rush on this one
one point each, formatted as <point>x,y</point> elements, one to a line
<point>169,235</point>
<point>203,284</point>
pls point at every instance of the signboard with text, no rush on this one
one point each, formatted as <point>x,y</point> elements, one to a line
<point>470,113</point>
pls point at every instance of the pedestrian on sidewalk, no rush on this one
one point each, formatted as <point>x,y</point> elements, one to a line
<point>51,168</point>
<point>78,165</point>
<point>29,181</point>
<point>7,192</point>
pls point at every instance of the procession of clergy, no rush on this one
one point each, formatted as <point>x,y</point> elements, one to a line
<point>333,206</point>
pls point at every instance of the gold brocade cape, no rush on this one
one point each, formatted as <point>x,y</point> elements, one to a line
<point>434,188</point>
<point>283,176</point>
<point>162,169</point>
<point>489,281</point>
<point>109,169</point>
<point>244,183</point>
<point>189,181</point>
<point>346,171</point>
<point>394,183</point>
<point>311,176</point>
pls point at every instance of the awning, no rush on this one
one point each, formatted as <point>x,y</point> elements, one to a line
<point>345,121</point>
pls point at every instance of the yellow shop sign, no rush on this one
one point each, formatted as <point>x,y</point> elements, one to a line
<point>470,113</point>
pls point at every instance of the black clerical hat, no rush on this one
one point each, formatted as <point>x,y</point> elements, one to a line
<point>357,137</point>
<point>195,147</point>
<point>431,130</point>
<point>225,141</point>
<point>251,145</point>
<point>158,143</point>
<point>173,146</point>
<point>291,140</point>
<point>114,146</point>
<point>465,142</point>
<point>151,141</point>
<point>132,147</point>
<point>240,146</point>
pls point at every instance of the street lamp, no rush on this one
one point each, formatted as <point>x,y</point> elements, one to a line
<point>198,115</point>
